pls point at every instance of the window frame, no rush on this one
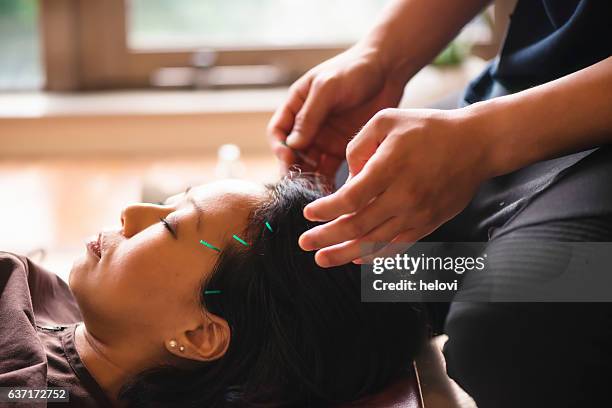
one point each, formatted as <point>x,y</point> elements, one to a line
<point>78,57</point>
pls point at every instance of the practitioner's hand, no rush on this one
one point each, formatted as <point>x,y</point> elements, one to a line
<point>328,105</point>
<point>409,172</point>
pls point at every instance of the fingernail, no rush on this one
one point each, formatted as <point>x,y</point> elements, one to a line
<point>292,139</point>
<point>303,244</point>
<point>308,215</point>
<point>322,260</point>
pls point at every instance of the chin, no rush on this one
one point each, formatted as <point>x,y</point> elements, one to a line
<point>79,268</point>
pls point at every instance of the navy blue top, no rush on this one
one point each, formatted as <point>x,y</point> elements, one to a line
<point>546,40</point>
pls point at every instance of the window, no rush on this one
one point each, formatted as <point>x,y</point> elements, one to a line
<point>123,43</point>
<point>246,23</point>
<point>139,43</point>
<point>20,65</point>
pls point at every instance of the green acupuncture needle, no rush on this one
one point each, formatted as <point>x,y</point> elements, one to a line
<point>212,292</point>
<point>240,240</point>
<point>269,227</point>
<point>209,245</point>
<point>301,155</point>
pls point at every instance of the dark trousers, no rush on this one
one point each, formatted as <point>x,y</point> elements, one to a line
<point>533,354</point>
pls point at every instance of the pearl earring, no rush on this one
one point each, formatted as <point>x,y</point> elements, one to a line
<point>182,348</point>
<point>172,343</point>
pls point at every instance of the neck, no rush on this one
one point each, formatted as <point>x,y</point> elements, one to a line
<point>110,365</point>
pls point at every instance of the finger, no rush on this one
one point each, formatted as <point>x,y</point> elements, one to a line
<point>302,162</point>
<point>332,140</point>
<point>390,250</point>
<point>328,167</point>
<point>284,154</point>
<point>308,160</point>
<point>359,248</point>
<point>311,157</point>
<point>398,245</point>
<point>311,115</point>
<point>283,168</point>
<point>283,119</point>
<point>353,195</point>
<point>365,144</point>
<point>325,260</point>
<point>348,227</point>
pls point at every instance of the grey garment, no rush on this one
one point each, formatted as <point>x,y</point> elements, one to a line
<point>508,355</point>
<point>573,186</point>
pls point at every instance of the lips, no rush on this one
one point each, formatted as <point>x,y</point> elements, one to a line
<point>94,245</point>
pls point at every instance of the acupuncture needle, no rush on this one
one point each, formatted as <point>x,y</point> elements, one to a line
<point>301,155</point>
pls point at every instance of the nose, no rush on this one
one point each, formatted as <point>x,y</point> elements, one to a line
<point>137,217</point>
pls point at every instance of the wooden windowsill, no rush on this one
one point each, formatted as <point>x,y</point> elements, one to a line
<point>164,121</point>
<point>138,102</point>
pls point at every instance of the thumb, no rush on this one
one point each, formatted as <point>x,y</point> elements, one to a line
<point>309,118</point>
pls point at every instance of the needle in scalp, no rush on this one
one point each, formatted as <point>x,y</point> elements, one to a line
<point>301,155</point>
<point>237,238</point>
<point>211,246</point>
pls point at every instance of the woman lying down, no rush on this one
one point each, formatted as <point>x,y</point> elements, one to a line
<point>205,301</point>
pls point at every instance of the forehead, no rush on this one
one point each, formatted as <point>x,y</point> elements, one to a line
<point>227,193</point>
<point>224,204</point>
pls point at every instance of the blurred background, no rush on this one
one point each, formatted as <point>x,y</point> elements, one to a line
<point>103,103</point>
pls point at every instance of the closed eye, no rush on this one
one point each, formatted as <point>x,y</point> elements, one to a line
<point>168,227</point>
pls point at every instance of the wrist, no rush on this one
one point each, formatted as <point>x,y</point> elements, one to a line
<point>490,130</point>
<point>561,117</point>
<point>392,64</point>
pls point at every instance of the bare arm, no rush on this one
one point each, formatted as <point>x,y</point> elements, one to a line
<point>569,114</point>
<point>410,33</point>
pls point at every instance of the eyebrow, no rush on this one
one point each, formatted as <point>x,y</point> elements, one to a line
<point>198,209</point>
<point>196,206</point>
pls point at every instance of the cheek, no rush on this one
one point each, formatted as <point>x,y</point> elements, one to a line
<point>127,287</point>
<point>148,282</point>
<point>137,277</point>
<point>77,280</point>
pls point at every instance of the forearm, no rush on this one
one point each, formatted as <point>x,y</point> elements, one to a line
<point>410,33</point>
<point>567,115</point>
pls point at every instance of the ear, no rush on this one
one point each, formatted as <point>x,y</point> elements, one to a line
<point>206,342</point>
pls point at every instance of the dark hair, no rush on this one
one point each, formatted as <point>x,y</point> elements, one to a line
<point>300,335</point>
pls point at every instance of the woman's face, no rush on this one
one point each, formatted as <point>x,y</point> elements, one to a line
<point>146,283</point>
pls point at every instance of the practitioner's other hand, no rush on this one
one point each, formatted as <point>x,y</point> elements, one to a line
<point>409,172</point>
<point>328,105</point>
